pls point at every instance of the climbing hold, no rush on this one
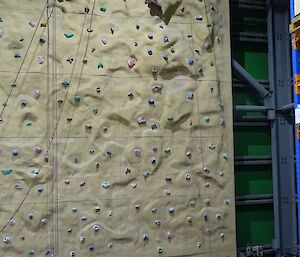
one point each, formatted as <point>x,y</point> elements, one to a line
<point>37,93</point>
<point>65,83</point>
<point>198,18</point>
<point>23,103</point>
<point>91,248</point>
<point>42,40</point>
<point>189,219</point>
<point>137,152</point>
<point>153,160</point>
<point>103,8</point>
<point>6,240</point>
<point>150,36</point>
<point>218,216</point>
<point>168,150</point>
<point>82,239</point>
<point>18,186</point>
<point>150,52</point>
<point>100,65</point>
<point>72,253</point>
<point>83,218</point>
<point>171,210</point>
<point>6,171</point>
<point>96,228</point>
<point>168,178</point>
<point>105,184</point>
<point>97,208</point>
<point>157,222</point>
<point>151,101</point>
<point>31,252</point>
<point>167,192</point>
<point>189,154</point>
<point>156,89</point>
<point>41,59</point>
<point>142,120</point>
<point>28,123</point>
<point>70,230</point>
<point>206,119</point>
<point>15,152</point>
<point>44,221</point>
<point>170,118</point>
<point>199,244</point>
<point>40,189</point>
<point>154,210</point>
<point>17,55</point>
<point>30,216</point>
<point>166,39</point>
<point>189,95</point>
<point>37,150</point>
<point>32,24</point>
<point>77,98</point>
<point>69,34</point>
<point>222,121</point>
<point>104,41</point>
<point>159,249</point>
<point>153,126</point>
<point>146,174</point>
<point>131,62</point>
<point>134,185</point>
<point>34,171</point>
<point>205,217</point>
<point>187,176</point>
<point>145,237</point>
<point>137,27</point>
<point>190,61</point>
<point>95,110</point>
<point>166,57</point>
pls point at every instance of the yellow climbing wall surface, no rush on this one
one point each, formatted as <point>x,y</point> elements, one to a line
<point>116,128</point>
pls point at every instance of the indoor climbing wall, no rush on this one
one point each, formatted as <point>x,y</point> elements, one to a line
<point>116,128</point>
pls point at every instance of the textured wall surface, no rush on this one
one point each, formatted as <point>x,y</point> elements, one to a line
<point>116,128</point>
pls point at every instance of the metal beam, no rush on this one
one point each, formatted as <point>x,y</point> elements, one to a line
<point>251,108</point>
<point>282,132</point>
<point>243,74</point>
<point>287,107</point>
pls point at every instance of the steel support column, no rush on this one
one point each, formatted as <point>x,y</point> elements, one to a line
<point>282,132</point>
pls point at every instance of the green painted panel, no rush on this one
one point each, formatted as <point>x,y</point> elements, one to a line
<point>252,141</point>
<point>253,57</point>
<point>253,180</point>
<point>255,224</point>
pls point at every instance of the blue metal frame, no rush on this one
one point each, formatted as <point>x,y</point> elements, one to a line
<point>296,70</point>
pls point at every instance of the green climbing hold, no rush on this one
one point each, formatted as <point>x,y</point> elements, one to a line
<point>95,110</point>
<point>69,34</point>
<point>34,171</point>
<point>206,119</point>
<point>1,20</point>
<point>170,118</point>
<point>103,9</point>
<point>6,171</point>
<point>28,123</point>
<point>21,39</point>
<point>100,65</point>
<point>92,151</point>
<point>168,150</point>
<point>77,98</point>
<point>74,209</point>
<point>31,252</point>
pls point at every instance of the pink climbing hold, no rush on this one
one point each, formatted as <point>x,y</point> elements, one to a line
<point>38,150</point>
<point>131,63</point>
<point>156,89</point>
<point>18,186</point>
<point>41,59</point>
<point>142,120</point>
<point>32,24</point>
